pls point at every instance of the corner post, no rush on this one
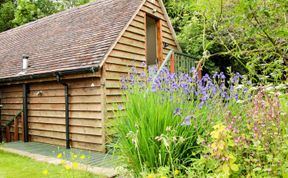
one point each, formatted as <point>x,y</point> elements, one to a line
<point>67,121</point>
<point>1,139</point>
<point>25,113</point>
<point>172,63</point>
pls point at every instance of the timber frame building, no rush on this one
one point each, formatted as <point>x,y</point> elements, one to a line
<point>60,75</point>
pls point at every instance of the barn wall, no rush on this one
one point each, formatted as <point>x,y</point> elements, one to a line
<point>88,105</point>
<point>46,113</point>
<point>131,51</point>
<point>11,99</point>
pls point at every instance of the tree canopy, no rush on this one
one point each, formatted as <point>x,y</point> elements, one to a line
<point>14,13</point>
<point>250,36</point>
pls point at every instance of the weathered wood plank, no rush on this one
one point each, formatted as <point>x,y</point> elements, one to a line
<point>129,49</point>
<point>132,42</point>
<point>125,55</point>
<point>135,36</point>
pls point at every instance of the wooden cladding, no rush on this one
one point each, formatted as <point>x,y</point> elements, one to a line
<point>46,112</point>
<point>11,99</point>
<point>131,51</point>
<point>93,97</point>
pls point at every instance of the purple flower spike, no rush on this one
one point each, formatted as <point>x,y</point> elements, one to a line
<point>134,70</point>
<point>187,121</point>
<point>192,70</point>
<point>222,76</point>
<point>143,64</point>
<point>142,75</point>
<point>154,88</point>
<point>215,75</point>
<point>177,112</point>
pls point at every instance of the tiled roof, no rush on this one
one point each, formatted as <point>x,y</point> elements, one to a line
<point>73,39</point>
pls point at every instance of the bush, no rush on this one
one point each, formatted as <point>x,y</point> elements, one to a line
<point>165,123</point>
<point>254,144</point>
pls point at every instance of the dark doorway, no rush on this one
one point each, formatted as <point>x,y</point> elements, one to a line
<point>151,37</point>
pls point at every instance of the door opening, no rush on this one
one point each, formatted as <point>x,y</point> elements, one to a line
<point>151,37</point>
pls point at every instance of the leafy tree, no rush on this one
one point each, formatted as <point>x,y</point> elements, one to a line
<point>7,9</point>
<point>15,13</point>
<point>250,36</point>
<point>28,10</point>
<point>68,4</point>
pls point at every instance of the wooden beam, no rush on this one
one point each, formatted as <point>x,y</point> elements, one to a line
<point>16,130</point>
<point>159,42</point>
<point>22,125</point>
<point>103,104</point>
<point>199,71</point>
<point>145,30</point>
<point>0,124</point>
<point>172,63</point>
<point>8,138</point>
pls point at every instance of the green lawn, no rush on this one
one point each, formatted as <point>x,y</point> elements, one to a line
<point>14,166</point>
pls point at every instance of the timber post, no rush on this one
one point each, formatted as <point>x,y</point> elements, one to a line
<point>172,63</point>
<point>22,122</point>
<point>1,139</point>
<point>25,113</point>
<point>16,130</point>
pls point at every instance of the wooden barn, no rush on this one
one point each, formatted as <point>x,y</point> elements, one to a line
<point>60,75</point>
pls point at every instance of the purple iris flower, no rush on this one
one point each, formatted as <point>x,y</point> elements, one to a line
<point>134,70</point>
<point>142,75</point>
<point>192,70</point>
<point>143,64</point>
<point>177,112</point>
<point>187,121</point>
<point>222,76</point>
<point>215,75</point>
<point>237,97</point>
<point>154,88</point>
<point>206,78</point>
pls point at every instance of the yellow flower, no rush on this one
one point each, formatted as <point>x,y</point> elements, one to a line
<point>59,155</point>
<point>75,165</point>
<point>67,167</point>
<point>45,172</point>
<point>82,157</point>
<point>150,176</point>
<point>75,156</point>
<point>176,172</point>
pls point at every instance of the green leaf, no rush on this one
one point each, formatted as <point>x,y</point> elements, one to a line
<point>226,168</point>
<point>234,167</point>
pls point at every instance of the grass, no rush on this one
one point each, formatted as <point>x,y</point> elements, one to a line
<point>15,166</point>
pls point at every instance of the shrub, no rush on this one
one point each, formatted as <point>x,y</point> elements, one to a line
<point>163,120</point>
<point>254,144</point>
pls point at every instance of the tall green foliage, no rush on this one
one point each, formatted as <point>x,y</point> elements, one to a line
<point>26,11</point>
<point>251,36</point>
<point>15,13</point>
<point>67,4</point>
<point>7,9</point>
